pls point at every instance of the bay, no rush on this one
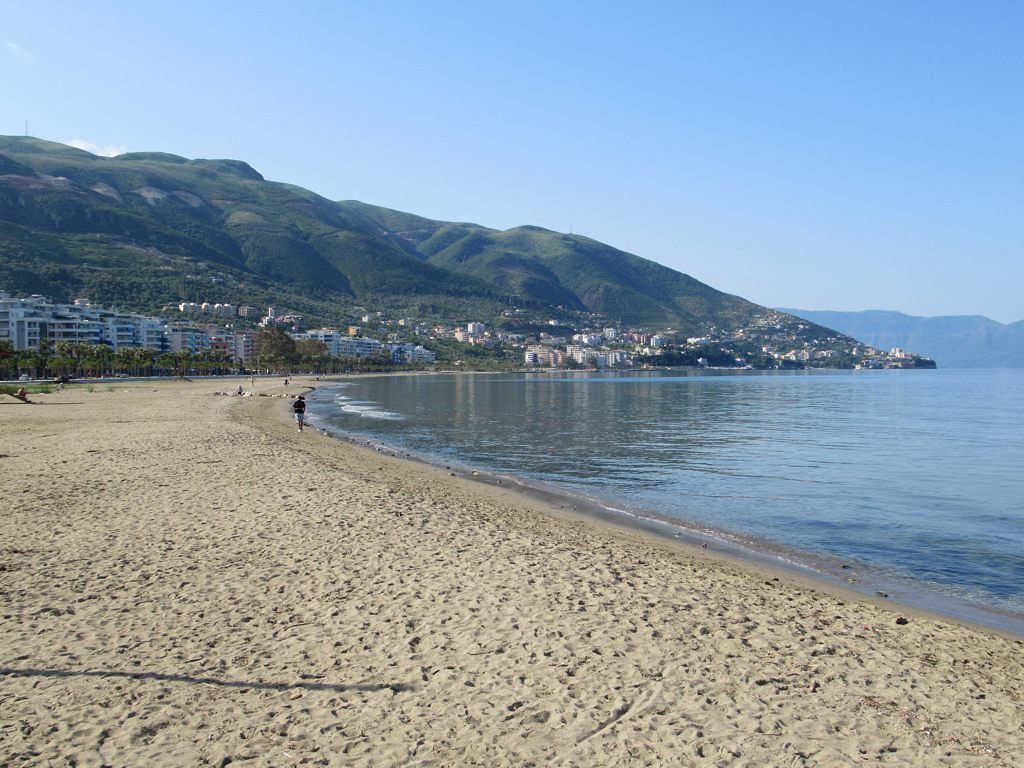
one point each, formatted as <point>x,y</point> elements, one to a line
<point>910,480</point>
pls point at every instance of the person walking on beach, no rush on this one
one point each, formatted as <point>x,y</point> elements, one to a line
<point>299,408</point>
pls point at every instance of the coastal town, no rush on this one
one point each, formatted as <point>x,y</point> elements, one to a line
<point>225,334</point>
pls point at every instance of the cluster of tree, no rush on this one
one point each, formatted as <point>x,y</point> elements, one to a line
<point>76,360</point>
<point>670,358</point>
<point>456,354</point>
<point>275,351</point>
<point>279,352</point>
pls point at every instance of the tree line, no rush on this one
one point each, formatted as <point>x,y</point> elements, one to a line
<point>275,352</point>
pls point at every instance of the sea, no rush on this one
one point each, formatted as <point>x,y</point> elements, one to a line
<point>905,485</point>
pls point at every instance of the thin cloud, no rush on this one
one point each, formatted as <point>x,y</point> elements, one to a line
<point>18,52</point>
<point>103,150</point>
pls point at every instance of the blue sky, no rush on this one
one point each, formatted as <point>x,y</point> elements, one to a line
<point>841,155</point>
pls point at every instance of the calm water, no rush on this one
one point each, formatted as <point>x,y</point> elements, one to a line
<point>912,477</point>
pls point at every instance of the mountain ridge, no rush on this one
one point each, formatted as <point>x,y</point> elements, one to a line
<point>145,229</point>
<point>953,341</point>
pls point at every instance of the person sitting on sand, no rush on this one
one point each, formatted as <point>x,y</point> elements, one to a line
<point>22,394</point>
<point>299,408</point>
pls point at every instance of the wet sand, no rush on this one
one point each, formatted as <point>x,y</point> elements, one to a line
<point>188,581</point>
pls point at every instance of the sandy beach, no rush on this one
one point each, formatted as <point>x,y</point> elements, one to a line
<point>187,580</point>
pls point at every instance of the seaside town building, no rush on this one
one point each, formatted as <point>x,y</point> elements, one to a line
<point>205,308</point>
<point>187,337</point>
<point>340,344</point>
<point>273,318</point>
<point>26,321</point>
<point>329,337</point>
<point>580,354</point>
<point>237,346</point>
<point>410,353</point>
<point>544,355</point>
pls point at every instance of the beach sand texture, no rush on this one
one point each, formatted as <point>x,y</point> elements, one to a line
<point>186,580</point>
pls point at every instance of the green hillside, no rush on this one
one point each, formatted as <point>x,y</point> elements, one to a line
<point>144,229</point>
<point>147,228</point>
<point>568,270</point>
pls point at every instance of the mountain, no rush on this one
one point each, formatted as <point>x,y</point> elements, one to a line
<point>953,341</point>
<point>559,269</point>
<point>146,229</point>
<point>143,229</point>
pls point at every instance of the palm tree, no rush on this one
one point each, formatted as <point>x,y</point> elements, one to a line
<point>103,355</point>
<point>43,355</point>
<point>183,361</point>
<point>7,357</point>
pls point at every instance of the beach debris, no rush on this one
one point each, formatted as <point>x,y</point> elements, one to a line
<point>882,594</point>
<point>902,620</point>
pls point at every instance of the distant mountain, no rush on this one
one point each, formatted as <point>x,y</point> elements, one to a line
<point>954,341</point>
<point>145,229</point>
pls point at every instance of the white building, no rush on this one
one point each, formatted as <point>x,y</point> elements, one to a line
<point>411,353</point>
<point>187,337</point>
<point>613,359</point>
<point>25,321</point>
<point>357,346</point>
<point>589,339</point>
<point>329,337</point>
<point>579,353</point>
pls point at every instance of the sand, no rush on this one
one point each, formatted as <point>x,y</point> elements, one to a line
<point>187,580</point>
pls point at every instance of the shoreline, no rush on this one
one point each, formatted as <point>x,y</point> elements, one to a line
<point>188,581</point>
<point>858,581</point>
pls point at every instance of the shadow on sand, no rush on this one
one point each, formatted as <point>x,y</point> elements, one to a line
<point>241,684</point>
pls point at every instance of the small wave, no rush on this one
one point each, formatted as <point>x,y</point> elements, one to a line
<point>366,410</point>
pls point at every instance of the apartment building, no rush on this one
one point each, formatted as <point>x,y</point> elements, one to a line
<point>410,353</point>
<point>25,321</point>
<point>340,344</point>
<point>187,338</point>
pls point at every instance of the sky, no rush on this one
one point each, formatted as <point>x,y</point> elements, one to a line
<point>840,155</point>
